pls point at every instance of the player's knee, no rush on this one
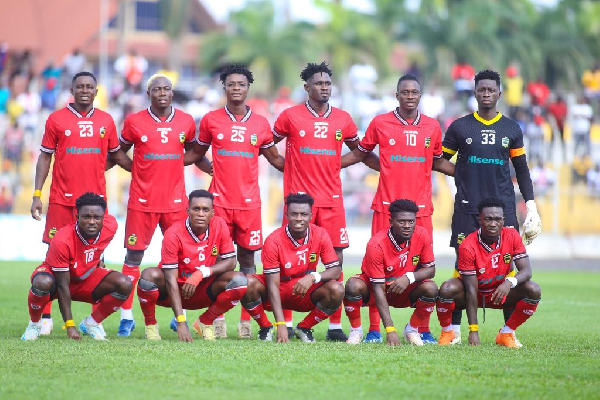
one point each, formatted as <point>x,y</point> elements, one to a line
<point>336,290</point>
<point>147,285</point>
<point>238,280</point>
<point>450,288</point>
<point>429,289</point>
<point>43,283</point>
<point>151,274</point>
<point>123,284</point>
<point>532,290</point>
<point>353,286</point>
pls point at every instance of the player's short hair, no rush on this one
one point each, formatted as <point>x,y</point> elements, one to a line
<point>236,69</point>
<point>153,78</point>
<point>83,73</point>
<point>490,202</point>
<point>200,193</point>
<point>487,74</point>
<point>299,198</point>
<point>407,77</point>
<point>403,205</point>
<point>312,68</point>
<point>90,199</point>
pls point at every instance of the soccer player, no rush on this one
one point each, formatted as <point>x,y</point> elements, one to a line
<point>315,131</point>
<point>80,137</point>
<point>196,271</point>
<point>160,134</point>
<point>238,137</point>
<point>396,271</point>
<point>484,262</point>
<point>73,271</point>
<point>290,279</point>
<point>410,146</point>
<point>486,141</point>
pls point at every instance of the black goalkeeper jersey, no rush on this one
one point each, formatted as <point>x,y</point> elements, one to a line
<point>484,149</point>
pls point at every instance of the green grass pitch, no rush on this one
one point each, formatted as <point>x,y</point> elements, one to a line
<point>561,357</point>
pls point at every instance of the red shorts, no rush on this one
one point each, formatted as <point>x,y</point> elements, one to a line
<point>245,226</point>
<point>57,216</point>
<point>291,301</point>
<point>140,226</point>
<point>486,299</point>
<point>80,290</point>
<point>381,221</point>
<point>200,299</point>
<point>401,300</point>
<point>333,220</point>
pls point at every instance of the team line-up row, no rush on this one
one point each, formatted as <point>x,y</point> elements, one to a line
<point>164,140</point>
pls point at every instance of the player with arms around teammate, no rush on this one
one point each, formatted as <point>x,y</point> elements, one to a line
<point>315,132</point>
<point>290,279</point>
<point>73,271</point>
<point>484,263</point>
<point>486,141</point>
<point>238,136</point>
<point>196,271</point>
<point>80,137</point>
<point>396,271</point>
<point>410,147</point>
<point>160,134</point>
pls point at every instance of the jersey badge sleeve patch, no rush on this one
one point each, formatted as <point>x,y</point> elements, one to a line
<point>253,139</point>
<point>415,260</point>
<point>132,240</point>
<point>338,135</point>
<point>52,232</point>
<point>215,250</point>
<point>427,142</point>
<point>507,258</point>
<point>460,238</point>
<point>182,137</point>
<point>312,257</point>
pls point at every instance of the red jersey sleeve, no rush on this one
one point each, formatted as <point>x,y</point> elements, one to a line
<point>169,254</point>
<point>372,264</point>
<point>113,139</point>
<point>127,133</point>
<point>466,260</point>
<point>437,141</point>
<point>266,135</point>
<point>190,135</point>
<point>518,246</point>
<point>204,134</point>
<point>427,259</point>
<point>226,249</point>
<point>58,256</point>
<point>50,139</point>
<point>280,129</point>
<point>327,253</point>
<point>368,143</point>
<point>350,132</point>
<point>270,256</point>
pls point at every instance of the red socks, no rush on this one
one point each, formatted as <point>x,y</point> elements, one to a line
<point>244,316</point>
<point>108,305</point>
<point>374,318</point>
<point>259,315</point>
<point>352,307</point>
<point>523,311</point>
<point>423,309</point>
<point>445,307</point>
<point>37,304</point>
<point>48,308</point>
<point>317,315</point>
<point>226,300</point>
<point>287,315</point>
<point>133,273</point>
<point>148,299</point>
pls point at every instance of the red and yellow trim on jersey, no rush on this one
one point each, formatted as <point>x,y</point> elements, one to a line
<point>517,152</point>
<point>485,121</point>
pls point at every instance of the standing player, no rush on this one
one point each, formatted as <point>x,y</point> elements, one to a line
<point>486,141</point>
<point>484,263</point>
<point>81,137</point>
<point>160,134</point>
<point>290,279</point>
<point>196,271</point>
<point>238,137</point>
<point>410,146</point>
<point>315,132</point>
<point>396,271</point>
<point>73,271</point>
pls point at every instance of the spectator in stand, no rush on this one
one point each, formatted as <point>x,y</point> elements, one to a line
<point>593,181</point>
<point>543,179</point>
<point>73,63</point>
<point>558,110</point>
<point>591,82</point>
<point>538,92</point>
<point>49,94</point>
<point>12,145</point>
<point>282,102</point>
<point>513,90</point>
<point>535,135</point>
<point>4,97</point>
<point>51,71</point>
<point>3,55</point>
<point>132,68</point>
<point>582,115</point>
<point>462,75</point>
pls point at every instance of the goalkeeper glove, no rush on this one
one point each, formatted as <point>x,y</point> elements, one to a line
<point>532,225</point>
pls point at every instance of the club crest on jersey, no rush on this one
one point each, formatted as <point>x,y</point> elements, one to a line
<point>102,132</point>
<point>507,258</point>
<point>427,142</point>
<point>68,132</point>
<point>52,232</point>
<point>460,238</point>
<point>186,260</point>
<point>214,251</point>
<point>415,260</point>
<point>301,133</point>
<point>392,142</point>
<point>312,257</point>
<point>181,137</point>
<point>253,140</point>
<point>338,135</point>
<point>469,140</point>
<point>288,265</point>
<point>132,239</point>
<point>505,141</point>
<point>144,138</point>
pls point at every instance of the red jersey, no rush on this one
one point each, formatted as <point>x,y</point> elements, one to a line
<point>386,259</point>
<point>182,249</point>
<point>292,258</point>
<point>236,146</point>
<point>490,264</point>
<point>406,153</point>
<point>157,183</point>
<point>70,252</point>
<point>313,151</point>
<point>80,144</point>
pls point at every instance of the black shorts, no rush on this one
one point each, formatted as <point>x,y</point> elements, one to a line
<point>463,224</point>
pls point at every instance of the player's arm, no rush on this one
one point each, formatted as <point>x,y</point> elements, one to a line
<point>443,165</point>
<point>273,157</point>
<point>400,284</point>
<point>273,280</point>
<point>353,157</point>
<point>532,226</point>
<point>471,285</point>
<point>304,283</point>
<point>383,307</point>
<point>42,168</point>
<point>183,332</point>
<point>523,275</point>
<point>64,302</point>
<point>197,155</point>
<point>370,159</point>
<point>119,158</point>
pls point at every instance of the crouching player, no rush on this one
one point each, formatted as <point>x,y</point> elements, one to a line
<point>484,261</point>
<point>396,271</point>
<point>290,279</point>
<point>73,271</point>
<point>196,271</point>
